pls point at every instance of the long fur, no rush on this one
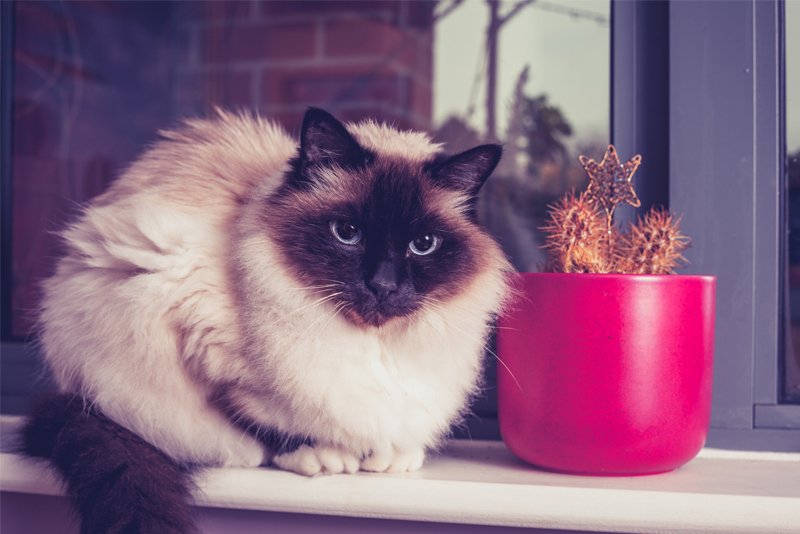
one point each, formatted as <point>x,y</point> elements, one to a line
<point>179,312</point>
<point>120,483</point>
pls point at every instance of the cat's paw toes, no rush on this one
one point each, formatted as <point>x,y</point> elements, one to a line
<point>407,461</point>
<point>377,462</point>
<point>317,460</point>
<point>394,461</point>
<point>337,461</point>
<point>303,461</point>
<point>244,453</point>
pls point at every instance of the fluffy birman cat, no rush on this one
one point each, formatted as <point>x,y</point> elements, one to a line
<point>235,299</point>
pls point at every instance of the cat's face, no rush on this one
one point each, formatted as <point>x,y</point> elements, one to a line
<point>379,237</point>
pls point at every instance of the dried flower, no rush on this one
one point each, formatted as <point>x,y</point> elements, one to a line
<point>654,245</point>
<point>610,181</point>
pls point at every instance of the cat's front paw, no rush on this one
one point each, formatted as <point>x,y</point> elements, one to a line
<point>394,461</point>
<point>245,452</point>
<point>316,460</point>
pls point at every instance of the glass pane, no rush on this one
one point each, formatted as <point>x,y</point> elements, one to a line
<point>94,81</point>
<point>791,364</point>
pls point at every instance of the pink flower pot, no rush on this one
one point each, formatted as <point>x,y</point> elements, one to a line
<point>607,374</point>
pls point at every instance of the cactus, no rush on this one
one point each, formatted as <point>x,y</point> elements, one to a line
<point>576,236</point>
<point>654,245</point>
<point>581,239</point>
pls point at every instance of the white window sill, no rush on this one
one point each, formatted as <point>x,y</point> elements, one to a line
<point>481,483</point>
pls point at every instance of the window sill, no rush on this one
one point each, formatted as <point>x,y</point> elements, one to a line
<point>481,483</point>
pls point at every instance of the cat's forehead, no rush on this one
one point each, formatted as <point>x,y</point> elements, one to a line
<point>383,140</point>
<point>396,180</point>
<point>389,187</point>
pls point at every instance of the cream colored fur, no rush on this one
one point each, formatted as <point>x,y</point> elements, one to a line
<point>170,289</point>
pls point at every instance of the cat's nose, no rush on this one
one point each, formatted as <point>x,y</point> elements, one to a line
<point>384,282</point>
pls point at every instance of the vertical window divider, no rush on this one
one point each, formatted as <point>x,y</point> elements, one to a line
<point>726,180</point>
<point>640,97</point>
<point>6,151</point>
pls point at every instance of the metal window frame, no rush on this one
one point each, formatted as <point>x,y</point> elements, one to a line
<point>724,142</point>
<point>6,151</point>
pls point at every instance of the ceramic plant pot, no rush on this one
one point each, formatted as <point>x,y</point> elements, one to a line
<point>607,374</point>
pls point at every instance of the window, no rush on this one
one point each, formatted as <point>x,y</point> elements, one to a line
<point>726,147</point>
<point>791,364</point>
<point>87,86</point>
<point>696,87</point>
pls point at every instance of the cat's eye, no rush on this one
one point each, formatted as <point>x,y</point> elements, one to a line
<point>346,232</point>
<point>425,244</point>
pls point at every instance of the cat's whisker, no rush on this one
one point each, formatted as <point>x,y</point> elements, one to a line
<point>327,318</point>
<point>433,303</point>
<point>336,311</point>
<point>313,288</point>
<point>466,311</point>
<point>484,345</point>
<point>316,303</point>
<point>438,332</point>
<point>317,321</point>
<point>335,282</point>
<point>440,337</point>
<point>490,351</point>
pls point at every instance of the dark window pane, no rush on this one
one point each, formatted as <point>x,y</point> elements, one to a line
<point>94,81</point>
<point>791,363</point>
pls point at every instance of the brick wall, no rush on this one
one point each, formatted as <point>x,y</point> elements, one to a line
<point>356,59</point>
<point>94,81</point>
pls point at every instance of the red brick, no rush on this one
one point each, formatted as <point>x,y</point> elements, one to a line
<point>201,92</point>
<point>324,86</point>
<point>291,120</point>
<point>388,9</point>
<point>229,88</point>
<point>415,53</point>
<point>422,101</point>
<point>287,41</point>
<point>361,37</point>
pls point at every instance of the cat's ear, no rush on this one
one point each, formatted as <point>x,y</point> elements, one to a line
<point>468,170</point>
<point>325,141</point>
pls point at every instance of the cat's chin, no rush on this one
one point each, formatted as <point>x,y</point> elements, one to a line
<point>375,319</point>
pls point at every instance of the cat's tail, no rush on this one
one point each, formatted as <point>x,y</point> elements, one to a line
<point>119,482</point>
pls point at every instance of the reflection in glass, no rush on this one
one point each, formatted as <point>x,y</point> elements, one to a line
<point>791,363</point>
<point>94,81</point>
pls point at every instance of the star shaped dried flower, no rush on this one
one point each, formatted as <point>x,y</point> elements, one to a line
<point>610,181</point>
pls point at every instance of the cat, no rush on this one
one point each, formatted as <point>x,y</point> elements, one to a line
<point>238,299</point>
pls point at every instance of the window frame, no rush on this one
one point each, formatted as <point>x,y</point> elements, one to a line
<point>725,176</point>
<point>6,151</point>
<point>18,360</point>
<point>662,94</point>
